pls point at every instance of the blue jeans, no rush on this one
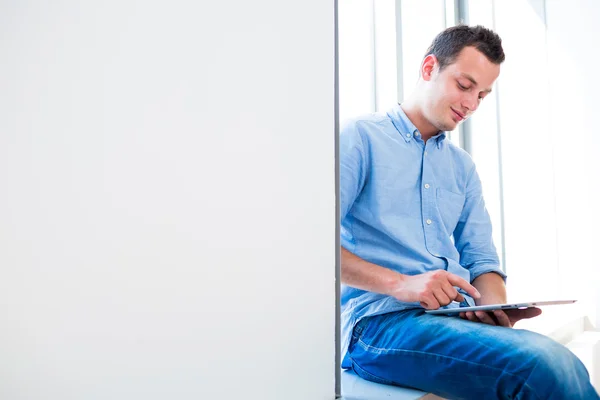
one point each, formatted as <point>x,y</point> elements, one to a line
<point>460,359</point>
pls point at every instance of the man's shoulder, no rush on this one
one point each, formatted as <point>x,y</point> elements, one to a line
<point>460,155</point>
<point>365,124</point>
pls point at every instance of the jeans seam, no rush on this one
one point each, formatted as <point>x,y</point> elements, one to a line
<point>380,351</point>
<point>526,380</point>
<point>387,381</point>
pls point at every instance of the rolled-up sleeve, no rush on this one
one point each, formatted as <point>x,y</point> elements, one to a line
<point>352,167</point>
<point>352,179</point>
<point>473,233</point>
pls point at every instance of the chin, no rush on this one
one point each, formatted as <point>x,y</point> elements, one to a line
<point>447,126</point>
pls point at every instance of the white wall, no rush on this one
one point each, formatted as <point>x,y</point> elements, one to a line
<point>421,22</point>
<point>572,42</point>
<point>167,200</point>
<point>485,140</point>
<point>548,101</point>
<point>357,66</point>
<point>527,153</point>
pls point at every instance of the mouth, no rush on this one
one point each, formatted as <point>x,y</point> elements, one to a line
<point>456,116</point>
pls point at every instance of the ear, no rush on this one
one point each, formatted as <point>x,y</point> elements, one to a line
<point>428,66</point>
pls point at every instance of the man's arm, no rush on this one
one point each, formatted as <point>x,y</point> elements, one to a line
<point>364,275</point>
<point>492,289</point>
<point>432,289</point>
<point>473,240</point>
<point>473,235</point>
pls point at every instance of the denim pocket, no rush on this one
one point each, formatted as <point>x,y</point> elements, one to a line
<point>450,206</point>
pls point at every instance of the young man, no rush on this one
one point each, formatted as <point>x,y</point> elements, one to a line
<point>416,235</point>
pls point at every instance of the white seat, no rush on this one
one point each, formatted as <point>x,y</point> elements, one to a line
<point>356,388</point>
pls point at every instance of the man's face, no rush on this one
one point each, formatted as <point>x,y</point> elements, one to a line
<point>453,94</point>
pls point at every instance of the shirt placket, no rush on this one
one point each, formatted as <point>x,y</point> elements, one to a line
<point>428,200</point>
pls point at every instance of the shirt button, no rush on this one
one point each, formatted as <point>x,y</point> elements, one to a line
<point>408,135</point>
<point>427,186</point>
<point>428,222</point>
<point>425,153</point>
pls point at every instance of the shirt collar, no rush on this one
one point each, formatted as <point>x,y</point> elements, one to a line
<point>407,129</point>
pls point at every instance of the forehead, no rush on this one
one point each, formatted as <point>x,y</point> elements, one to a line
<point>472,62</point>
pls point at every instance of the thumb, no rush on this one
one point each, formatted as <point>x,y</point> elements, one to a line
<point>531,312</point>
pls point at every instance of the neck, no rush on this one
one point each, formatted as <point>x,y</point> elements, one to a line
<point>413,111</point>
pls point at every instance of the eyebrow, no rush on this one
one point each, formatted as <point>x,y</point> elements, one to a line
<point>469,77</point>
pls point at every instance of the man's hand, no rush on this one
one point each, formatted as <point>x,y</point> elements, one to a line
<point>506,318</point>
<point>432,289</point>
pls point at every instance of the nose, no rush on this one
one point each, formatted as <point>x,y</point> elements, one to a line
<point>471,102</point>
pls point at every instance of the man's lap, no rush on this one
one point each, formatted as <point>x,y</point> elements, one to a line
<point>448,356</point>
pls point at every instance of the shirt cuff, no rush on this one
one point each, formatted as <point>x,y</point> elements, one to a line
<point>477,270</point>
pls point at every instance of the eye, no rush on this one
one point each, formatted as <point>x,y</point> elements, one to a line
<point>461,87</point>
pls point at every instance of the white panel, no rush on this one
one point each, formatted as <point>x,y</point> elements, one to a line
<point>587,347</point>
<point>386,78</point>
<point>167,200</point>
<point>572,37</point>
<point>527,152</point>
<point>421,22</point>
<point>484,137</point>
<point>356,57</point>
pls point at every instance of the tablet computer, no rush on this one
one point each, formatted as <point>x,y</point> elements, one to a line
<point>492,307</point>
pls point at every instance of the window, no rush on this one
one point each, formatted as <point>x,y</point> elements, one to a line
<point>530,172</point>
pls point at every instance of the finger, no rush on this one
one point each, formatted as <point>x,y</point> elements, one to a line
<point>502,318</point>
<point>430,303</point>
<point>485,318</point>
<point>471,316</point>
<point>441,297</point>
<point>451,292</point>
<point>456,280</point>
<point>463,315</point>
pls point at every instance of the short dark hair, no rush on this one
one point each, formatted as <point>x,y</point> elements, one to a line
<point>449,43</point>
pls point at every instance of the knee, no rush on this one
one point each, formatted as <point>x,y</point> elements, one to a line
<point>550,370</point>
<point>555,360</point>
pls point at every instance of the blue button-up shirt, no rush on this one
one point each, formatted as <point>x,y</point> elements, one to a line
<point>409,206</point>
